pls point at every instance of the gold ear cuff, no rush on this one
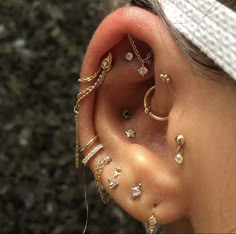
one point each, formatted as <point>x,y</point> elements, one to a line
<point>147,106</point>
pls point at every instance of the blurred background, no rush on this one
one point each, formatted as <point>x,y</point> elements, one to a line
<point>42,43</point>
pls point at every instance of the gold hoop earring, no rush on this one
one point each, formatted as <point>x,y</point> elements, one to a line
<point>147,106</point>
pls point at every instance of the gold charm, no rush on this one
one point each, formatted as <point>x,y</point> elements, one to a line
<point>152,221</point>
<point>117,172</point>
<point>130,133</point>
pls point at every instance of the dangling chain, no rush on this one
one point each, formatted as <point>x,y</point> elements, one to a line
<point>105,67</point>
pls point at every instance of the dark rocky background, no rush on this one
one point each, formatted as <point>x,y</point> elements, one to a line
<point>42,43</point>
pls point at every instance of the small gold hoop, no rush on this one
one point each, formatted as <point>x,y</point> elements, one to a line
<point>88,144</point>
<point>147,107</point>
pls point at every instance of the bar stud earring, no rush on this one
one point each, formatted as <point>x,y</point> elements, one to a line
<point>180,141</point>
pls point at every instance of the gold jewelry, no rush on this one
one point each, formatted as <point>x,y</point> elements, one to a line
<point>130,133</point>
<point>112,183</point>
<point>129,56</point>
<point>105,66</point>
<point>143,70</point>
<point>126,114</point>
<point>152,220</point>
<point>117,172</point>
<point>165,78</point>
<point>90,143</point>
<point>147,106</point>
<point>180,141</point>
<point>136,191</point>
<point>98,171</point>
<point>91,154</point>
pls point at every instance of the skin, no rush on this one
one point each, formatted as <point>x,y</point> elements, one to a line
<point>194,197</point>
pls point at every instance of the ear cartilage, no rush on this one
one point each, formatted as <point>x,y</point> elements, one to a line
<point>126,114</point>
<point>129,56</point>
<point>180,141</point>
<point>130,133</point>
<point>136,191</point>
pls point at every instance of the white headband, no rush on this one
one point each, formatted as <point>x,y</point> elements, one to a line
<point>209,25</point>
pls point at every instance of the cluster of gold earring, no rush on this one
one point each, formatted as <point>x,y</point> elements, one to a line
<point>98,78</point>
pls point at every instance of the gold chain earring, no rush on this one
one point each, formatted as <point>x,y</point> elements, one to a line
<point>143,70</point>
<point>180,141</point>
<point>152,222</point>
<point>104,68</point>
<point>147,106</point>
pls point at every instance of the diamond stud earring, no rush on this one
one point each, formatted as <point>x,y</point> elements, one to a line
<point>136,191</point>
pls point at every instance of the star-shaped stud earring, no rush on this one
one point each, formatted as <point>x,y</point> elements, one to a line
<point>130,133</point>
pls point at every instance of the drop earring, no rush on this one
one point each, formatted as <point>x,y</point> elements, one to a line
<point>143,70</point>
<point>152,222</point>
<point>180,141</point>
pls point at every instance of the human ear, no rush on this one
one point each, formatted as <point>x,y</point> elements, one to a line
<point>147,159</point>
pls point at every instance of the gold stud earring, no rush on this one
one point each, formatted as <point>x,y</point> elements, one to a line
<point>152,222</point>
<point>129,56</point>
<point>147,106</point>
<point>130,133</point>
<point>136,191</point>
<point>180,141</point>
<point>117,172</point>
<point>126,114</point>
<point>165,78</point>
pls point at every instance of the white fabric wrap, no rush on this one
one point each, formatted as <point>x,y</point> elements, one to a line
<point>209,25</point>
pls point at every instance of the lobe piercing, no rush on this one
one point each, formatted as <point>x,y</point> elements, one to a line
<point>126,114</point>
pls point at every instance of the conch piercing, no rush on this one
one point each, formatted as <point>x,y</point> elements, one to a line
<point>130,133</point>
<point>180,141</point>
<point>152,220</point>
<point>126,114</point>
<point>136,191</point>
<point>143,70</point>
<point>147,106</point>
